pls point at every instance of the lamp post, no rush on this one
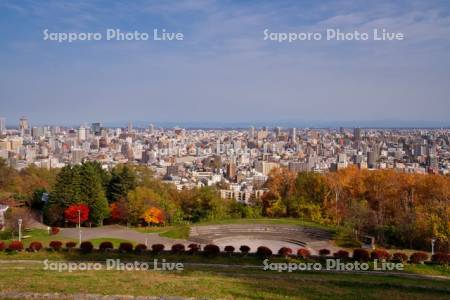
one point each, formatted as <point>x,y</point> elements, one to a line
<point>79,226</point>
<point>433,240</point>
<point>19,221</point>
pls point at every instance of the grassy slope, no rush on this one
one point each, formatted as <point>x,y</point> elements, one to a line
<point>221,283</point>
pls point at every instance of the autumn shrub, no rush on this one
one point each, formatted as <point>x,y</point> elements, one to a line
<point>54,230</point>
<point>229,249</point>
<point>2,246</point>
<point>263,251</point>
<point>418,257</point>
<point>440,258</point>
<point>380,254</point>
<point>15,246</point>
<point>341,254</point>
<point>158,248</point>
<point>178,248</point>
<point>400,256</point>
<point>55,245</point>
<point>244,249</point>
<point>125,247</point>
<point>324,252</point>
<point>361,254</point>
<point>211,250</point>
<point>35,246</point>
<point>285,251</point>
<point>193,248</point>
<point>106,246</point>
<point>86,247</point>
<point>71,245</point>
<point>140,248</point>
<point>303,253</point>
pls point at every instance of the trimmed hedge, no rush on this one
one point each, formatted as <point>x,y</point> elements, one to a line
<point>263,251</point>
<point>418,257</point>
<point>15,246</point>
<point>2,246</point>
<point>324,252</point>
<point>342,254</point>
<point>178,248</point>
<point>229,249</point>
<point>71,245</point>
<point>140,248</point>
<point>55,245</point>
<point>158,248</point>
<point>361,255</point>
<point>244,249</point>
<point>211,250</point>
<point>106,246</point>
<point>285,251</point>
<point>193,248</point>
<point>86,247</point>
<point>400,256</point>
<point>126,247</point>
<point>440,258</point>
<point>35,246</point>
<point>304,253</point>
<point>380,254</point>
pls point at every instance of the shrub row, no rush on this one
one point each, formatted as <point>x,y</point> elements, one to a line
<point>212,250</point>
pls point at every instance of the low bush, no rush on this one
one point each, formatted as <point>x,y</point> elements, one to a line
<point>158,248</point>
<point>324,252</point>
<point>35,246</point>
<point>303,253</point>
<point>380,254</point>
<point>244,249</point>
<point>440,258</point>
<point>126,247</point>
<point>15,246</point>
<point>229,249</point>
<point>400,257</point>
<point>263,251</point>
<point>2,246</point>
<point>55,245</point>
<point>285,251</point>
<point>418,257</point>
<point>71,245</point>
<point>342,254</point>
<point>193,248</point>
<point>106,246</point>
<point>86,247</point>
<point>211,250</point>
<point>361,255</point>
<point>140,248</point>
<point>178,248</point>
<point>54,230</point>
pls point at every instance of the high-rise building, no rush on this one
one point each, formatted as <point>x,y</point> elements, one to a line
<point>23,124</point>
<point>2,125</point>
<point>357,134</point>
<point>130,127</point>
<point>82,134</point>
<point>96,128</point>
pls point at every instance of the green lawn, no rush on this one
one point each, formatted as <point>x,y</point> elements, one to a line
<point>223,283</point>
<point>31,235</point>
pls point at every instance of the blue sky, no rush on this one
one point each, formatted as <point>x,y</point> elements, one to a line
<point>223,70</point>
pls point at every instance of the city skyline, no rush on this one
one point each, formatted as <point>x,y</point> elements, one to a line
<point>224,69</point>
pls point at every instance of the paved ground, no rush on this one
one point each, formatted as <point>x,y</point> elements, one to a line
<point>269,235</point>
<point>119,232</point>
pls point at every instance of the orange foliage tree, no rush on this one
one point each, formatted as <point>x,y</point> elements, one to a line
<point>153,215</point>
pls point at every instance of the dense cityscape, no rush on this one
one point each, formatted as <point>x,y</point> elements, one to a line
<point>237,160</point>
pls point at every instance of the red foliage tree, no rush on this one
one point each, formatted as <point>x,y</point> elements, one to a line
<point>71,213</point>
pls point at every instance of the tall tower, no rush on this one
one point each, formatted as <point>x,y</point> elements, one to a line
<point>23,123</point>
<point>2,125</point>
